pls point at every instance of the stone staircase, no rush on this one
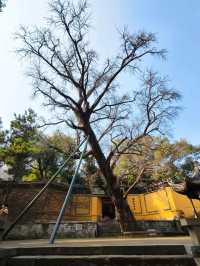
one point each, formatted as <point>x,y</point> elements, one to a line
<point>125,255</point>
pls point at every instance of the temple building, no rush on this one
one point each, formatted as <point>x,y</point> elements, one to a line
<point>86,210</point>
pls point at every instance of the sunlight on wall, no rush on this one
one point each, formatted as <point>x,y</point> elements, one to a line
<point>164,204</point>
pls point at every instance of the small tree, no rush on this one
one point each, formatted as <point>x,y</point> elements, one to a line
<point>49,154</point>
<point>19,145</point>
<point>2,4</point>
<point>3,141</point>
<point>2,134</point>
<point>32,155</point>
<point>66,71</point>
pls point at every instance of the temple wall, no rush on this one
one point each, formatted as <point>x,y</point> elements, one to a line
<point>183,204</point>
<point>82,207</point>
<point>163,204</point>
<point>157,210</point>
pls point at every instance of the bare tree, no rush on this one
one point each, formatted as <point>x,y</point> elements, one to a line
<point>88,96</point>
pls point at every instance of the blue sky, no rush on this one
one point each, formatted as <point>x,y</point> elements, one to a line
<point>176,24</point>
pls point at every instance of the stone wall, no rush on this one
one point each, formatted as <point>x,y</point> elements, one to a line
<point>45,208</point>
<point>164,227</point>
<point>93,229</point>
<point>66,230</point>
<point>146,227</point>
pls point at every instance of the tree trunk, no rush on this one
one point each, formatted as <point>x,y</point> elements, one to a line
<point>122,209</point>
<point>123,213</point>
<point>41,170</point>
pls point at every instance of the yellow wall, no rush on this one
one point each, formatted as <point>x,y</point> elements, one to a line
<point>183,205</point>
<point>83,208</point>
<point>163,204</point>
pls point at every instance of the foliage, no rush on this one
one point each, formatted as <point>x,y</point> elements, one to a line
<point>32,155</point>
<point>161,159</point>
<point>91,174</point>
<point>2,4</point>
<point>3,135</point>
<point>30,177</point>
<point>50,153</point>
<point>20,143</point>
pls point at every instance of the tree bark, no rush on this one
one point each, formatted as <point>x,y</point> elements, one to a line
<point>41,170</point>
<point>122,209</point>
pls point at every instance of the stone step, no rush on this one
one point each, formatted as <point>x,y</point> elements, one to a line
<point>102,260</point>
<point>100,250</point>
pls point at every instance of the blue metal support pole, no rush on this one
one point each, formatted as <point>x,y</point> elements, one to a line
<point>30,204</point>
<point>67,197</point>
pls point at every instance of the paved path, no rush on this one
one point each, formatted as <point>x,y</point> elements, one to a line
<point>183,240</point>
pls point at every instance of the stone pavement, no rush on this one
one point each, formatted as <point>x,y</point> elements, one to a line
<point>177,240</point>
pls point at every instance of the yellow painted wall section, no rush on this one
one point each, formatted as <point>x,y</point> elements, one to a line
<point>82,208</point>
<point>163,204</point>
<point>152,206</point>
<point>96,212</point>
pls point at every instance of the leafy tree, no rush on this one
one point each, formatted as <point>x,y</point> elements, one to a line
<point>2,4</point>
<point>66,71</point>
<point>2,134</point>
<point>169,158</point>
<point>49,154</point>
<point>160,159</point>
<point>32,155</point>
<point>19,146</point>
